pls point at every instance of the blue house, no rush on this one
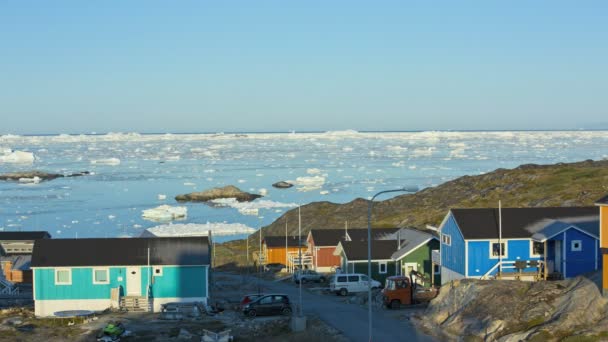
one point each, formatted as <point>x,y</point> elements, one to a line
<point>550,242</point>
<point>136,273</point>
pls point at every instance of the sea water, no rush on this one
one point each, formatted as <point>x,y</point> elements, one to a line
<point>133,172</point>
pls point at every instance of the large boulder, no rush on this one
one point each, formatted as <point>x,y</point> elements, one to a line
<point>282,185</point>
<point>502,310</point>
<point>229,191</point>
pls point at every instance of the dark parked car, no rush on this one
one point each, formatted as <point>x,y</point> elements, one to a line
<point>274,267</point>
<point>272,304</point>
<point>250,298</point>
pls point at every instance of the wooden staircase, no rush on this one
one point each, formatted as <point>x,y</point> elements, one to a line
<point>135,304</point>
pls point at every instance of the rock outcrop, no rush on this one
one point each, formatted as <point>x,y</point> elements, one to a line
<point>42,176</point>
<point>229,191</point>
<point>282,185</point>
<point>515,310</point>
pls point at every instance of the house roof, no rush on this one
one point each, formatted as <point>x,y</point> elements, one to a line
<point>279,241</point>
<point>377,234</point>
<point>18,236</point>
<point>328,237</point>
<point>482,223</point>
<point>602,201</point>
<point>357,250</point>
<point>121,252</point>
<point>412,240</point>
<point>590,226</point>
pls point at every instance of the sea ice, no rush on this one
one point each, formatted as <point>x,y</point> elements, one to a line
<point>251,208</point>
<point>165,213</point>
<point>197,229</point>
<point>107,161</point>
<point>308,183</point>
<point>162,197</point>
<point>17,157</point>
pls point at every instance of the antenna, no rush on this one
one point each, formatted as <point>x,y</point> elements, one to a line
<point>499,238</point>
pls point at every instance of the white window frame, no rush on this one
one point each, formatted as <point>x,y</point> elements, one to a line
<point>446,239</point>
<point>159,274</point>
<point>69,270</point>
<point>505,251</point>
<point>380,264</point>
<point>107,270</point>
<point>532,255</point>
<point>580,246</point>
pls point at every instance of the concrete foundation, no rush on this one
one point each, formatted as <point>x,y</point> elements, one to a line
<point>298,323</point>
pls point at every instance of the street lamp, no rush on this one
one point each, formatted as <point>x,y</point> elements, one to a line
<point>369,249</point>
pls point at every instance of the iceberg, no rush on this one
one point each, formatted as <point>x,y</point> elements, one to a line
<point>198,229</point>
<point>16,157</point>
<point>107,161</point>
<point>309,183</point>
<point>250,208</point>
<point>165,213</point>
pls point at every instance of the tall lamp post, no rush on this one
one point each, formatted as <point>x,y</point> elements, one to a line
<point>370,206</point>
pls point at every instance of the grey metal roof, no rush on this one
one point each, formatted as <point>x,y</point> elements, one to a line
<point>121,252</point>
<point>482,223</point>
<point>377,234</point>
<point>411,240</point>
<point>552,228</point>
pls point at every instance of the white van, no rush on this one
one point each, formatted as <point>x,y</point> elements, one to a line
<point>345,283</point>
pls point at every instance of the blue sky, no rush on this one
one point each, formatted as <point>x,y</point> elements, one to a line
<point>184,66</point>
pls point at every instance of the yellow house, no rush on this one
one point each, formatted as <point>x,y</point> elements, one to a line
<point>603,204</point>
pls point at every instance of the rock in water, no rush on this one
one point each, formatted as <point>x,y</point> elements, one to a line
<point>282,185</point>
<point>16,176</point>
<point>37,176</point>
<point>229,191</point>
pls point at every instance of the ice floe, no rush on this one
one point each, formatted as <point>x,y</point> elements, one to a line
<point>16,157</point>
<point>308,183</point>
<point>251,208</point>
<point>165,213</point>
<point>106,161</point>
<point>198,229</point>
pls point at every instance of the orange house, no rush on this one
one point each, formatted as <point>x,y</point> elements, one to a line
<point>603,204</point>
<point>275,248</point>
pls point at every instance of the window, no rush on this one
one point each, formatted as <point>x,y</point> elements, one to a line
<point>436,269</point>
<point>364,278</point>
<point>576,245</point>
<point>353,279</point>
<point>382,267</point>
<point>158,271</point>
<point>63,276</point>
<point>266,300</point>
<point>496,249</point>
<point>101,276</point>
<point>446,239</point>
<point>342,279</point>
<point>538,248</point>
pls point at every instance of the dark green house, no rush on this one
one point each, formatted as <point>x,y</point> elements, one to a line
<point>416,253</point>
<point>404,251</point>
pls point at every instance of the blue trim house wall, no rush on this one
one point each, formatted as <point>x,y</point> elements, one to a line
<point>162,270</point>
<point>467,253</point>
<point>453,251</point>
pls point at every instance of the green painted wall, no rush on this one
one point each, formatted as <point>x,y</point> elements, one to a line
<point>422,256</point>
<point>361,267</point>
<point>187,281</point>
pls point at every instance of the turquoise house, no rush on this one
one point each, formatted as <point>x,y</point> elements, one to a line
<point>96,274</point>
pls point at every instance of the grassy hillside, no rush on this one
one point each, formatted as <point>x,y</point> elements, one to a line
<point>572,184</point>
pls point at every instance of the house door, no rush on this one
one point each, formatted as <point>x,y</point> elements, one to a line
<point>133,281</point>
<point>558,256</point>
<point>408,267</point>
